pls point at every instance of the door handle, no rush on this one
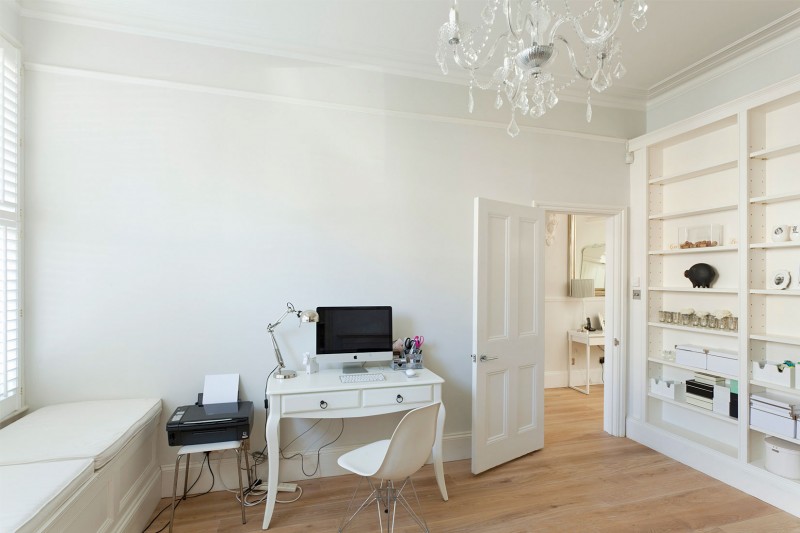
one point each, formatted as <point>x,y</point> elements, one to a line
<point>485,358</point>
<point>616,342</point>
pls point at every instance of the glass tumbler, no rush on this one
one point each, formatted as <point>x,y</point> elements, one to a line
<point>662,316</point>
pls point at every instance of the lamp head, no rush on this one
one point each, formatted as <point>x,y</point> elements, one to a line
<point>308,316</point>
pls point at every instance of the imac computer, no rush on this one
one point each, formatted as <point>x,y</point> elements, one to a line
<point>353,336</point>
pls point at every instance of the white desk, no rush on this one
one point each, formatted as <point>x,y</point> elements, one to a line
<point>589,338</point>
<point>323,395</point>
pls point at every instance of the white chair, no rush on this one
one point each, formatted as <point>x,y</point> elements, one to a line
<point>393,460</point>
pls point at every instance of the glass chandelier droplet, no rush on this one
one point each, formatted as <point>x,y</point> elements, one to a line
<point>470,100</point>
<point>552,99</point>
<point>488,14</point>
<point>588,110</point>
<point>640,23</point>
<point>600,25</point>
<point>538,96</point>
<point>537,111</point>
<point>498,102</point>
<point>513,129</point>
<point>600,81</point>
<point>638,9</point>
<point>620,71</point>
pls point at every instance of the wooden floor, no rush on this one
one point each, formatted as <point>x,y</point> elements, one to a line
<point>582,481</point>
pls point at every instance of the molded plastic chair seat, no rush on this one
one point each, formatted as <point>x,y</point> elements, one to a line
<point>391,460</point>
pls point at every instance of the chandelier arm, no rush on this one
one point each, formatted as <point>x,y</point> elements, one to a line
<point>572,59</point>
<point>592,41</point>
<point>466,66</point>
<point>508,18</point>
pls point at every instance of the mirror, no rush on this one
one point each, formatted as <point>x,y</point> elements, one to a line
<point>587,250</point>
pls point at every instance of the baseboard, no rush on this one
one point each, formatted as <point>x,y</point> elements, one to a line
<point>455,446</point>
<point>558,379</point>
<point>757,482</point>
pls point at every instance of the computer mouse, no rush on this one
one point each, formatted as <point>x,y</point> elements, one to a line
<point>411,372</point>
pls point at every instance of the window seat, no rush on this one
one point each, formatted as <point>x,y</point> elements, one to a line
<point>78,467</point>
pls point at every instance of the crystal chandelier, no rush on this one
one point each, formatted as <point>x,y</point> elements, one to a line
<point>520,50</point>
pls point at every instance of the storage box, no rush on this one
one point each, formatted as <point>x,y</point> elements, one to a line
<point>703,236</point>
<point>699,401</point>
<point>722,400</point>
<point>668,389</point>
<point>774,414</point>
<point>722,361</point>
<point>773,372</point>
<point>699,389</point>
<point>690,355</point>
<point>782,457</point>
<point>734,405</point>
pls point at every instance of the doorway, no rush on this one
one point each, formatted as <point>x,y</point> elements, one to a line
<point>566,312</point>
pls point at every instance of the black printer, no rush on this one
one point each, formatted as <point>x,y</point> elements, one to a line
<point>214,422</point>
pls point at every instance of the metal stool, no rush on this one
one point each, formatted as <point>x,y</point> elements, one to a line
<point>202,448</point>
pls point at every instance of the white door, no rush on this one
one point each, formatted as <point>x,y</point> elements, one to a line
<point>507,333</point>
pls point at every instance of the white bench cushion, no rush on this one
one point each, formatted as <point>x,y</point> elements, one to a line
<point>31,493</point>
<point>94,430</point>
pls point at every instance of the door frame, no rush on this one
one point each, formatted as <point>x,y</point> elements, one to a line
<point>615,395</point>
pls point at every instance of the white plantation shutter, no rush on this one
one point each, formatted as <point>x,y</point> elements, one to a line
<point>10,363</point>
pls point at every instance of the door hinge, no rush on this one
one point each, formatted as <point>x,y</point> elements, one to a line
<point>474,358</point>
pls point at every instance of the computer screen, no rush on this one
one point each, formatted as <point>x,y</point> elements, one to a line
<point>354,334</point>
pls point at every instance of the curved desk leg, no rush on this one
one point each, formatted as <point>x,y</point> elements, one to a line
<point>436,452</point>
<point>273,455</point>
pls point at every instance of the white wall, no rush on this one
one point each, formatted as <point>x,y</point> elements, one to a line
<point>176,201</point>
<point>9,20</point>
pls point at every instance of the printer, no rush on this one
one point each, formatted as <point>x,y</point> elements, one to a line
<point>214,422</point>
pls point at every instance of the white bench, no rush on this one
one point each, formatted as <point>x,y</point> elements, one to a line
<point>79,467</point>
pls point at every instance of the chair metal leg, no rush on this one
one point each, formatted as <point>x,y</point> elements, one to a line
<point>175,491</point>
<point>241,489</point>
<point>386,497</point>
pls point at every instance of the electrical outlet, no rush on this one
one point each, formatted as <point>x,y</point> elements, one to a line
<point>287,487</point>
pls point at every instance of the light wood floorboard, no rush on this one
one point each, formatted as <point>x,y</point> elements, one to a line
<point>583,480</point>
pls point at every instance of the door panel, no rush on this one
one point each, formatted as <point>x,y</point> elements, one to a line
<point>508,281</point>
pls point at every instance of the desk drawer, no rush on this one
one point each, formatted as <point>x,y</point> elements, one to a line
<point>395,395</point>
<point>322,401</point>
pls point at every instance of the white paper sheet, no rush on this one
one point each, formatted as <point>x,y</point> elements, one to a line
<point>221,388</point>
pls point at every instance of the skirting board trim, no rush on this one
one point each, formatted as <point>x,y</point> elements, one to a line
<point>557,379</point>
<point>773,489</point>
<point>456,446</point>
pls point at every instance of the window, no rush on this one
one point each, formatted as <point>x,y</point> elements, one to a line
<point>10,360</point>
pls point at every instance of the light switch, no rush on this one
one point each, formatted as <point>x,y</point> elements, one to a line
<point>635,282</point>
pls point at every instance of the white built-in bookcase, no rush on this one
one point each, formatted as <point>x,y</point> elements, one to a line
<point>739,169</point>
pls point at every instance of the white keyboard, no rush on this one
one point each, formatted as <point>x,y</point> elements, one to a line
<point>361,378</point>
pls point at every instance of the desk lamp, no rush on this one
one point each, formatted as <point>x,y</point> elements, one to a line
<point>582,288</point>
<point>304,316</point>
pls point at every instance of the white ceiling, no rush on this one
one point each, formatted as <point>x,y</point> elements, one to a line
<point>683,38</point>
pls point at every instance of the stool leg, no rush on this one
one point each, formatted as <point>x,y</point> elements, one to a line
<point>174,492</point>
<point>241,490</point>
<point>186,477</point>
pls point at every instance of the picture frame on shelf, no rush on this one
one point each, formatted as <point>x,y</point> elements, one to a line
<point>601,321</point>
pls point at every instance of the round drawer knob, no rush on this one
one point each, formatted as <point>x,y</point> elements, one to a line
<point>399,398</point>
<point>323,404</point>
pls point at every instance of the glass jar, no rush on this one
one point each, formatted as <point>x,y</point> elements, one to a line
<point>704,321</point>
<point>723,322</point>
<point>669,355</point>
<point>686,319</point>
<point>676,317</point>
<point>662,316</point>
<point>696,320</point>
<point>733,323</point>
<point>713,322</point>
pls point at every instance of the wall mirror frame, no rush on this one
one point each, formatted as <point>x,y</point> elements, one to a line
<point>587,250</point>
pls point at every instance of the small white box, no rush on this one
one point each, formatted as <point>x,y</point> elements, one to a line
<point>722,400</point>
<point>668,389</point>
<point>723,361</point>
<point>782,457</point>
<point>773,372</point>
<point>697,401</point>
<point>690,355</point>
<point>772,423</point>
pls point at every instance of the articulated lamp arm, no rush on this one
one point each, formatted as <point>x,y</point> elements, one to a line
<point>304,316</point>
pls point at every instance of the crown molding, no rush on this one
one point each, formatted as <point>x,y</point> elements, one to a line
<point>619,96</point>
<point>729,58</point>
